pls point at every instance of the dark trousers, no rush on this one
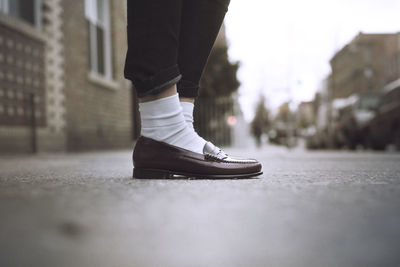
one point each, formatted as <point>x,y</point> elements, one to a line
<point>169,42</point>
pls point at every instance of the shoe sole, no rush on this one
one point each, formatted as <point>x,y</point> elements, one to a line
<point>166,174</point>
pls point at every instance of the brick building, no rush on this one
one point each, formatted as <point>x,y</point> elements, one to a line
<point>61,76</point>
<point>393,66</point>
<point>363,65</point>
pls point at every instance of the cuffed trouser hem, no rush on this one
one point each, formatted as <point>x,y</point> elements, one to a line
<point>187,89</point>
<point>163,80</point>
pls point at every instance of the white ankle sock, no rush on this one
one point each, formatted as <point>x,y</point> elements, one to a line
<point>187,110</point>
<point>163,120</point>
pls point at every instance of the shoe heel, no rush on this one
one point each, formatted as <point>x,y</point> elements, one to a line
<point>150,174</point>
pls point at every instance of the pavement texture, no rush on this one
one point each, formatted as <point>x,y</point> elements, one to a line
<point>307,209</point>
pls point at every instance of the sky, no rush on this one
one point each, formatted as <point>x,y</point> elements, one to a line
<point>284,46</point>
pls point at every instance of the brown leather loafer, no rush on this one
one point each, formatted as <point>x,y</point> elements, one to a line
<point>158,160</point>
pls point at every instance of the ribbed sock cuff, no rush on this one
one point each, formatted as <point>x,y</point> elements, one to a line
<point>161,112</point>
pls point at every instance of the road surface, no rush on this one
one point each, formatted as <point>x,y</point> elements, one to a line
<point>307,209</point>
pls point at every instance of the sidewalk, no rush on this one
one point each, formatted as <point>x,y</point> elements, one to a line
<point>308,209</point>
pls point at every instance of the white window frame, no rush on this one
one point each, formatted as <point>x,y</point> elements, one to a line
<point>93,18</point>
<point>5,8</point>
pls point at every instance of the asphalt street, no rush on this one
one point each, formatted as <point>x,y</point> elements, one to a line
<point>307,209</point>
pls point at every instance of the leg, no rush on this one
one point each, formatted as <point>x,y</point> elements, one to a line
<point>153,40</point>
<point>200,24</point>
<point>151,64</point>
<point>168,146</point>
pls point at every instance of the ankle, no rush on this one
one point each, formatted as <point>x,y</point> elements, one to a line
<point>163,120</point>
<point>187,99</point>
<point>166,93</point>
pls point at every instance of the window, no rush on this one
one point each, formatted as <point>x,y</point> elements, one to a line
<point>98,16</point>
<point>26,10</point>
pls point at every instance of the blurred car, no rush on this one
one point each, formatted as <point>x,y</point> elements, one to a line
<point>340,114</point>
<point>355,118</point>
<point>316,140</point>
<point>384,128</point>
<point>282,133</point>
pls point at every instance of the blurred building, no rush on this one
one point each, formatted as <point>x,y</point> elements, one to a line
<point>393,66</point>
<point>305,114</point>
<point>350,96</point>
<point>61,76</point>
<point>322,105</point>
<point>362,65</point>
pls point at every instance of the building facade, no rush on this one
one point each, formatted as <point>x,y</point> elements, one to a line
<point>305,114</point>
<point>393,68</point>
<point>362,65</point>
<point>61,76</point>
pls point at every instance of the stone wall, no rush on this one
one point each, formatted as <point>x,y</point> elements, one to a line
<point>73,109</point>
<point>98,111</point>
